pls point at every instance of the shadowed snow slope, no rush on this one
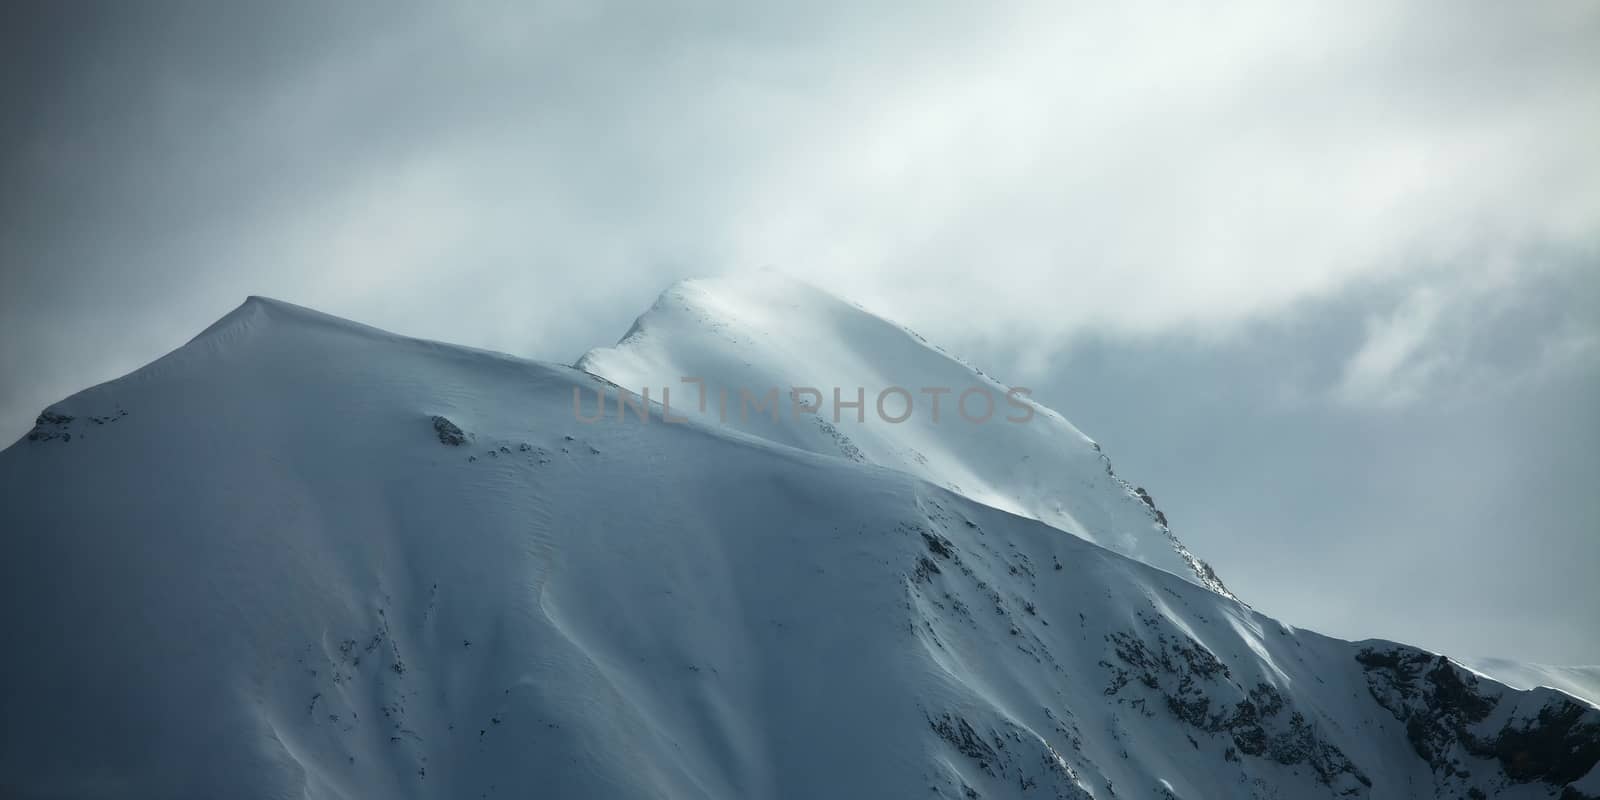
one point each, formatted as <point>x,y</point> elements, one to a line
<point>756,333</point>
<point>299,557</point>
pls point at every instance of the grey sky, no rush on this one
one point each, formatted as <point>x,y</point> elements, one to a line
<point>1325,278</point>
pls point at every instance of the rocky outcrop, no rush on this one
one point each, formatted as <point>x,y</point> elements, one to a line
<point>1460,724</point>
<point>55,426</point>
<point>1194,687</point>
<point>1013,755</point>
<point>448,432</point>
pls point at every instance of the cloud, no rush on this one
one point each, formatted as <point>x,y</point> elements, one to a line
<point>1393,365</point>
<point>526,177</point>
<point>1463,333</point>
<point>1295,253</point>
<point>1140,170</point>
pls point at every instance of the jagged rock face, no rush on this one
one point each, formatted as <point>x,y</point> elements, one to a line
<point>1013,756</point>
<point>1260,722</point>
<point>1461,724</point>
<point>1258,711</point>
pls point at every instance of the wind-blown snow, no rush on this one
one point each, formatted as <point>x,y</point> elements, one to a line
<point>1582,682</point>
<point>300,557</point>
<point>754,332</point>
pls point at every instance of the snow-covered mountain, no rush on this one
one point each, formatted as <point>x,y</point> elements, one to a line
<point>300,557</point>
<point>751,336</point>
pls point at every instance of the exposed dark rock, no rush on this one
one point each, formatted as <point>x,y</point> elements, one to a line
<point>960,734</point>
<point>938,545</point>
<point>1449,714</point>
<point>1193,684</point>
<point>50,425</point>
<point>1012,755</point>
<point>448,432</point>
<point>1150,501</point>
<point>1560,745</point>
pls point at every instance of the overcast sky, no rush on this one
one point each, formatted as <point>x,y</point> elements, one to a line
<point>1325,278</point>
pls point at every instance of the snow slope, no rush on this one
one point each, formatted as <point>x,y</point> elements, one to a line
<point>300,557</point>
<point>757,332</point>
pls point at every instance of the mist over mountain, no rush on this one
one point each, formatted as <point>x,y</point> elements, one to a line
<point>304,557</point>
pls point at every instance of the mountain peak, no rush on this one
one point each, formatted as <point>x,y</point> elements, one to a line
<point>721,345</point>
<point>259,312</point>
<point>335,566</point>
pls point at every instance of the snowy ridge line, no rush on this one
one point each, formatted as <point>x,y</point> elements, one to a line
<point>770,330</point>
<point>1580,681</point>
<point>312,564</point>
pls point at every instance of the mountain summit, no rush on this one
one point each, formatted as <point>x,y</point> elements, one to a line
<point>740,338</point>
<point>301,557</point>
